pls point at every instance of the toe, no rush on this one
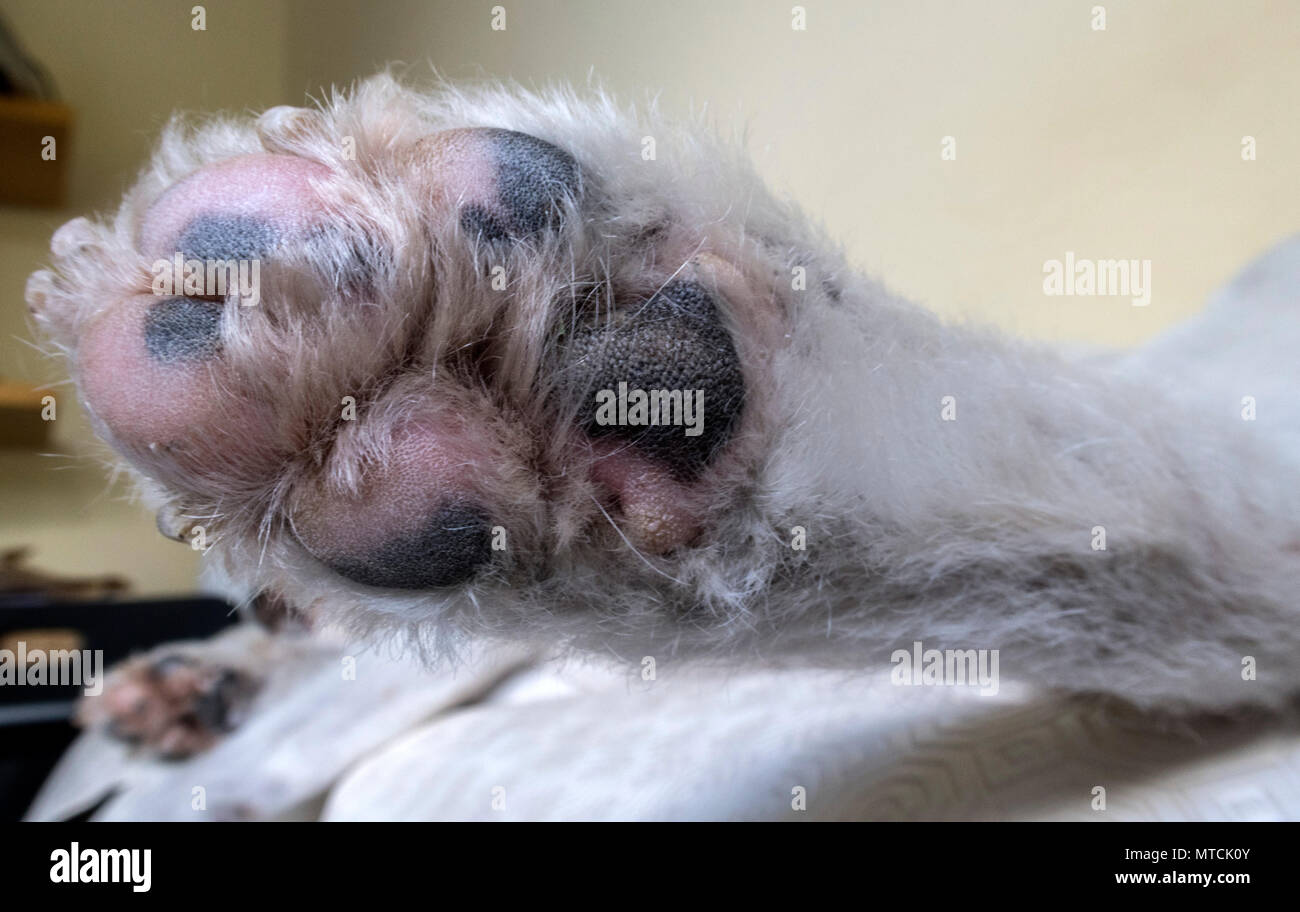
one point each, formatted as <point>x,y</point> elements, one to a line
<point>153,375</point>
<point>498,184</point>
<point>418,505</point>
<point>241,208</point>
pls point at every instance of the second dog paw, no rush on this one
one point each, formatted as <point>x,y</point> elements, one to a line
<point>173,705</point>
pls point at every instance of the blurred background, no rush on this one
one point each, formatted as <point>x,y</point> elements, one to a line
<point>1122,142</point>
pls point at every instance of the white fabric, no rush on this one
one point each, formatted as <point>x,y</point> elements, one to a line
<point>501,740</point>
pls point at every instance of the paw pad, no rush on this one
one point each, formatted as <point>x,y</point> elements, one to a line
<point>447,550</point>
<point>502,184</point>
<point>211,236</point>
<point>175,705</point>
<point>673,342</point>
<point>182,329</point>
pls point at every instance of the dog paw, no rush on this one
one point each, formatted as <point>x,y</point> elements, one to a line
<point>457,354</point>
<point>172,704</point>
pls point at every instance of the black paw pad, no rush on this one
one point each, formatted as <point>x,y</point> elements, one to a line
<point>182,329</point>
<point>673,342</point>
<point>533,178</point>
<point>480,222</point>
<point>217,707</point>
<point>449,549</point>
<point>226,237</point>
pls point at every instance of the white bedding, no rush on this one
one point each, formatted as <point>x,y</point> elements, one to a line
<point>602,744</point>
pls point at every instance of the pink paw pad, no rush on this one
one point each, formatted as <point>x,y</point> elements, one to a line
<point>175,705</point>
<point>151,371</point>
<point>499,184</point>
<point>421,514</point>
<point>154,368</point>
<point>241,208</point>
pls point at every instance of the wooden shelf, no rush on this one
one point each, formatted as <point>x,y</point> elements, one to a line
<point>20,416</point>
<point>26,177</point>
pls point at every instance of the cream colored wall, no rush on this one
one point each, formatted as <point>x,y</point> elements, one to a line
<point>123,66</point>
<point>1116,143</point>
